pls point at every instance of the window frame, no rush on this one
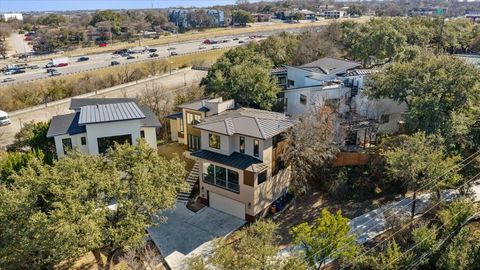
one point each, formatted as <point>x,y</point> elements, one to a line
<point>142,133</point>
<point>241,146</point>
<point>66,147</point>
<point>303,99</point>
<point>231,181</point>
<point>256,148</point>
<point>263,174</point>
<point>212,143</point>
<point>83,140</point>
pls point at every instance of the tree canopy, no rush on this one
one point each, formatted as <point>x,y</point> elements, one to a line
<point>103,204</point>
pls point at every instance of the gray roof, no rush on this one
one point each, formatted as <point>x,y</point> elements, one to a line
<point>150,119</point>
<point>235,160</point>
<point>175,115</point>
<point>101,113</point>
<point>65,124</point>
<point>197,105</point>
<point>77,103</point>
<point>360,72</point>
<point>277,70</point>
<point>328,65</point>
<point>249,122</point>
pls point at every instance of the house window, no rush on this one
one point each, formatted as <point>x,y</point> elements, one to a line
<point>262,177</point>
<point>220,177</point>
<point>106,142</point>
<point>67,145</point>
<point>181,125</point>
<point>303,99</point>
<point>83,140</point>
<point>291,83</point>
<point>384,118</point>
<point>193,119</point>
<point>142,133</point>
<point>193,142</point>
<point>282,80</point>
<point>242,144</point>
<point>214,141</point>
<point>256,147</point>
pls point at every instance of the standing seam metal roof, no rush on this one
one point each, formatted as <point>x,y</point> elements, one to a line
<point>109,112</point>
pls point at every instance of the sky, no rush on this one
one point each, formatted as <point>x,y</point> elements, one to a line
<point>57,5</point>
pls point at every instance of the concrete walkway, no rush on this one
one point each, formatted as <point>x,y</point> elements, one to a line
<point>186,234</point>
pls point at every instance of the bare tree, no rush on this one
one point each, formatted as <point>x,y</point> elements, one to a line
<point>311,144</point>
<point>143,258</point>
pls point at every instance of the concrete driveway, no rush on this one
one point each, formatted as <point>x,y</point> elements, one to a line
<point>186,233</point>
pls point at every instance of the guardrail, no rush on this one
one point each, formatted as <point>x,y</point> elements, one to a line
<point>93,93</point>
<point>121,64</point>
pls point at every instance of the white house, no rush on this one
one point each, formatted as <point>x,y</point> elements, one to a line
<point>12,16</point>
<point>334,14</point>
<point>96,124</point>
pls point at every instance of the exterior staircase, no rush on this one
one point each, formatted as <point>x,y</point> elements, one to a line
<point>191,180</point>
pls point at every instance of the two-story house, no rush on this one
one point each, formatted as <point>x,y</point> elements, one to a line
<point>240,156</point>
<point>96,124</point>
<point>182,124</point>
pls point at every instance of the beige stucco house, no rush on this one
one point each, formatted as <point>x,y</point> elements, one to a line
<point>240,154</point>
<point>96,124</point>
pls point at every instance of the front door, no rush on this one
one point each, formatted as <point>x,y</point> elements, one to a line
<point>193,142</point>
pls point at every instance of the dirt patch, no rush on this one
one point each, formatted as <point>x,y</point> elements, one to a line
<point>170,150</point>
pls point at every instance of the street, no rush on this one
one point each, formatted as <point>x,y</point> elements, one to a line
<point>169,83</point>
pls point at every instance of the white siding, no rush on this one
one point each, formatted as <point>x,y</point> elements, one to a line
<point>76,143</point>
<point>315,96</point>
<point>225,147</point>
<point>150,136</point>
<point>100,130</point>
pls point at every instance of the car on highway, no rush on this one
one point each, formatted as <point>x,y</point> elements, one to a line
<point>49,65</point>
<point>171,49</point>
<point>236,38</point>
<point>18,71</point>
<point>116,56</point>
<point>130,57</point>
<point>83,59</point>
<point>103,44</point>
<point>214,47</point>
<point>225,40</point>
<point>9,72</point>
<point>114,63</point>
<point>34,67</point>
<point>50,70</point>
<point>172,53</point>
<point>55,73</point>
<point>241,41</point>
<point>125,54</point>
<point>8,80</point>
<point>62,65</point>
<point>4,119</point>
<point>59,52</point>
<point>121,51</point>
<point>152,50</point>
<point>154,55</point>
<point>201,47</point>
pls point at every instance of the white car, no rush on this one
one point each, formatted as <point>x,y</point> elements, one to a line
<point>201,47</point>
<point>116,56</point>
<point>4,120</point>
<point>215,47</point>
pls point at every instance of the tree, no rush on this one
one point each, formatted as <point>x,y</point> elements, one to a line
<point>13,162</point>
<point>327,238</point>
<point>244,75</point>
<point>33,136</point>
<point>51,20</point>
<point>114,18</point>
<point>102,204</point>
<point>441,93</point>
<point>242,17</point>
<point>297,16</point>
<point>304,154</point>
<point>374,43</point>
<point>280,49</point>
<point>419,160</point>
<point>253,247</point>
<point>356,10</point>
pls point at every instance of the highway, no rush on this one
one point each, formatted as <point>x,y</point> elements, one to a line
<point>105,59</point>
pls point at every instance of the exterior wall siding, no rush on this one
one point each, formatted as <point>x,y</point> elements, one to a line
<point>100,130</point>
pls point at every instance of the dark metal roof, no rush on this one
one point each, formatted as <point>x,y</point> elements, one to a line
<point>175,115</point>
<point>101,113</point>
<point>235,160</point>
<point>65,124</point>
<point>150,119</point>
<point>196,105</point>
<point>277,70</point>
<point>77,103</point>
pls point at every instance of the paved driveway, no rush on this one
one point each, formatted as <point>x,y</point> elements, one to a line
<point>187,233</point>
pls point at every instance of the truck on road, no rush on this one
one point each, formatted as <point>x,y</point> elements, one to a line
<point>58,62</point>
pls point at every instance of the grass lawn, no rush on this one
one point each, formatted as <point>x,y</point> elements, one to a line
<point>170,150</point>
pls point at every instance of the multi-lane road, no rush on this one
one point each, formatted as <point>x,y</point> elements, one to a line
<point>105,59</point>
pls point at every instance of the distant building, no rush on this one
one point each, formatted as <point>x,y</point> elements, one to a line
<point>288,15</point>
<point>184,18</point>
<point>474,15</point>
<point>261,17</point>
<point>334,14</point>
<point>11,16</point>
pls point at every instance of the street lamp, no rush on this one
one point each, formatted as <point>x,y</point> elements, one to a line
<point>171,62</point>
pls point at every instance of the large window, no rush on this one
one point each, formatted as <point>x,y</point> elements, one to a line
<point>291,83</point>
<point>256,148</point>
<point>221,177</point>
<point>193,119</point>
<point>242,144</point>
<point>214,141</point>
<point>193,142</point>
<point>107,142</point>
<point>67,145</point>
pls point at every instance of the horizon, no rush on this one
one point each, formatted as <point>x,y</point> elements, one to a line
<point>65,5</point>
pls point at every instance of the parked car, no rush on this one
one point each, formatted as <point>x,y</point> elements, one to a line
<point>152,50</point>
<point>201,47</point>
<point>4,119</point>
<point>103,44</point>
<point>173,53</point>
<point>114,63</point>
<point>83,59</point>
<point>214,47</point>
<point>19,71</point>
<point>154,55</point>
<point>130,57</point>
<point>8,80</point>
